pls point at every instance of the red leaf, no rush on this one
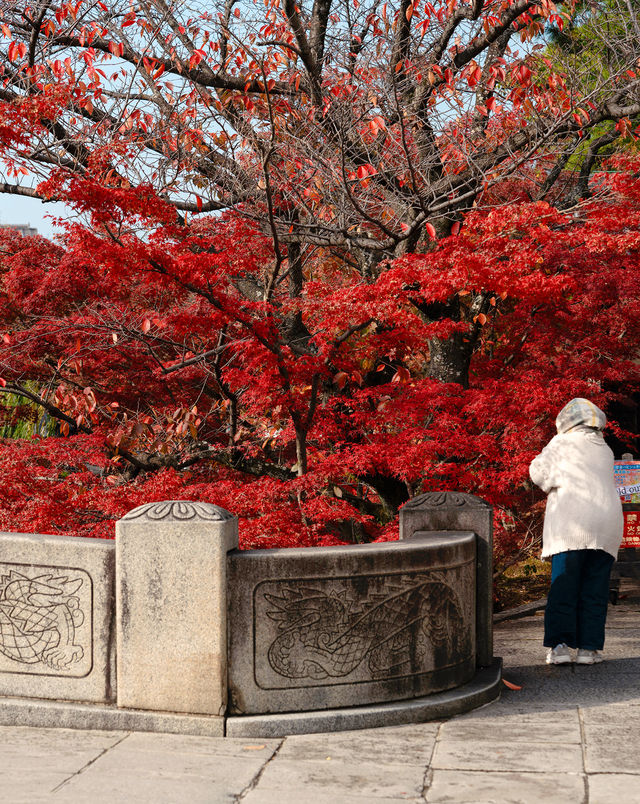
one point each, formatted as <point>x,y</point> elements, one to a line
<point>340,379</point>
<point>510,685</point>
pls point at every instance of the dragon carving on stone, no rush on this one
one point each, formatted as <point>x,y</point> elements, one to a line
<point>38,619</point>
<point>394,631</point>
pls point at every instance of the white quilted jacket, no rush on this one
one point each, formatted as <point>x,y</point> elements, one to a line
<point>583,510</point>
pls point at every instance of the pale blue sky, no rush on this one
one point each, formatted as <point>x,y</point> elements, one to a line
<point>19,209</point>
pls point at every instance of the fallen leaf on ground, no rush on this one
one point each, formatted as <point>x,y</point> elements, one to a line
<point>510,685</point>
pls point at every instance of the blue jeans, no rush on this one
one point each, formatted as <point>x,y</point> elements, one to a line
<point>577,603</point>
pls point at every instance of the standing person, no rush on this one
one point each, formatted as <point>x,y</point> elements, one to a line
<point>582,532</point>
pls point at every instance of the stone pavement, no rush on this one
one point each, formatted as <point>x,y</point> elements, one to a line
<point>570,734</point>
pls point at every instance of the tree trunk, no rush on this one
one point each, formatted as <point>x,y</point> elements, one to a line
<point>450,359</point>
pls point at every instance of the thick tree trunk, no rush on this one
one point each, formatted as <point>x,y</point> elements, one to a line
<point>450,360</point>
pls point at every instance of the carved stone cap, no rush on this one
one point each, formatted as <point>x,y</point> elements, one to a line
<point>179,510</point>
<point>445,499</point>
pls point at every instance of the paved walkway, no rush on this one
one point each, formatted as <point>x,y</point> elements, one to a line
<point>571,734</point>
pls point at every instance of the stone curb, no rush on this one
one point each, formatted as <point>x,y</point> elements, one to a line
<point>520,611</point>
<point>482,689</point>
<point>60,715</point>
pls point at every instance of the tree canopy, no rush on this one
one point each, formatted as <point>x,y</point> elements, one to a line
<point>332,257</point>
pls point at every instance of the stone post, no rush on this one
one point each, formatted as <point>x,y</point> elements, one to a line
<point>449,510</point>
<point>171,607</point>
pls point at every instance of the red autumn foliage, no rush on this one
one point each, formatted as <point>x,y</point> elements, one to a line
<point>321,269</point>
<point>173,380</point>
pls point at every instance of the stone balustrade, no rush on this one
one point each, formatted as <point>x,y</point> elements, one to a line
<point>172,628</point>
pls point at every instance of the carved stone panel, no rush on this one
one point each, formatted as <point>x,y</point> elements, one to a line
<point>57,636</point>
<point>329,631</point>
<point>46,616</point>
<point>321,628</point>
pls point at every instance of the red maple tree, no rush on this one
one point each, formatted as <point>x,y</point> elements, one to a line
<point>331,258</point>
<point>173,382</point>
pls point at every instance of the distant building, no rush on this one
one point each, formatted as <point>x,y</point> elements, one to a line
<point>25,229</point>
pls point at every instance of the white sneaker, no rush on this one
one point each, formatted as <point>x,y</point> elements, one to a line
<point>589,657</point>
<point>559,655</point>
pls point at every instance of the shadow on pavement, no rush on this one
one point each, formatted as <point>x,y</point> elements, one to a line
<point>616,680</point>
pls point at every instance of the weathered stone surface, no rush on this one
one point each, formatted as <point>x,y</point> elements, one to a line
<point>483,787</point>
<point>196,746</point>
<point>104,788</point>
<point>602,732</point>
<point>498,725</point>
<point>367,779</point>
<point>482,689</point>
<point>125,775</point>
<point>285,795</point>
<point>35,762</point>
<point>77,767</point>
<point>24,750</point>
<point>171,606</point>
<point>103,717</point>
<point>410,745</point>
<point>505,756</point>
<point>613,788</point>
<point>318,628</point>
<point>56,617</point>
<point>449,510</point>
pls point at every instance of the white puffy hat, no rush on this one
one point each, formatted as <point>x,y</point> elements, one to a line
<point>580,412</point>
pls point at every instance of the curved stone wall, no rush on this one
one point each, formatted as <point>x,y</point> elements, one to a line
<point>320,628</point>
<point>206,639</point>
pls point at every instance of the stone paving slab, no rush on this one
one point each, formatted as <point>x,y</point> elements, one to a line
<point>515,728</point>
<point>602,757</point>
<point>32,787</point>
<point>239,770</point>
<point>145,767</point>
<point>462,754</point>
<point>612,788</point>
<point>145,788</point>
<point>318,797</point>
<point>22,740</point>
<point>571,734</point>
<point>186,744</point>
<point>56,752</point>
<point>365,779</point>
<point>478,787</point>
<point>410,745</point>
<point>335,797</point>
<point>611,714</point>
